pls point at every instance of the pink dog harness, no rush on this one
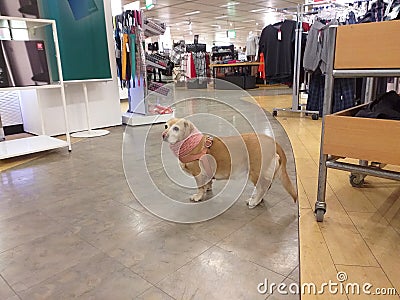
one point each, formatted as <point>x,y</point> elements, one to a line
<point>183,148</point>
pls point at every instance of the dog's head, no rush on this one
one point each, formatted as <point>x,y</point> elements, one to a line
<point>177,130</point>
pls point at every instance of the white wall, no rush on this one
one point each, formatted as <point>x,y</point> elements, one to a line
<point>104,102</point>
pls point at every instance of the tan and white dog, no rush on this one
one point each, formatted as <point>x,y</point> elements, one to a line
<point>228,157</point>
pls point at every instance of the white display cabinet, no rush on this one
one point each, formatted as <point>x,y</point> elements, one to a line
<point>41,142</point>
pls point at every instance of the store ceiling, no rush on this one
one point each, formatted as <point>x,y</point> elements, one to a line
<point>210,19</point>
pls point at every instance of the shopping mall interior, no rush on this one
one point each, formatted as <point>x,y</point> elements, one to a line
<point>167,149</point>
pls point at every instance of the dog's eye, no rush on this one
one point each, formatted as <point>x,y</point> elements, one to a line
<point>175,129</point>
<point>166,126</point>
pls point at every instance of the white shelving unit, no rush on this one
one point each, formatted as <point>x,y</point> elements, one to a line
<point>42,142</point>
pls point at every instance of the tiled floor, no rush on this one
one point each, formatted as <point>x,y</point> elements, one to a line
<point>70,227</point>
<point>359,235</point>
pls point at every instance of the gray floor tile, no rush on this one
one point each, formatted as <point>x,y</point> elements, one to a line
<point>33,262</point>
<point>99,277</point>
<point>5,291</point>
<point>25,228</point>
<point>154,294</point>
<point>217,274</point>
<point>269,244</point>
<point>152,252</point>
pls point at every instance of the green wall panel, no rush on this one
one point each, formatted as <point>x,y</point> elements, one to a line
<point>82,38</point>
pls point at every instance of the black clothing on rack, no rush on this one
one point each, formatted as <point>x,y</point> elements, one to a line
<point>277,44</point>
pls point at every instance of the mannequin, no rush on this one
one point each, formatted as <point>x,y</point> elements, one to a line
<point>251,46</point>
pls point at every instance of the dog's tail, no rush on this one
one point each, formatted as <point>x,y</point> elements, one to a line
<point>287,184</point>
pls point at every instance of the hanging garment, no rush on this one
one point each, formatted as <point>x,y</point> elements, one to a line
<point>261,67</point>
<point>325,45</point>
<point>376,13</point>
<point>343,93</point>
<point>132,42</point>
<point>200,64</point>
<point>190,69</point>
<point>118,52</point>
<point>125,38</point>
<point>277,44</point>
<point>313,50</point>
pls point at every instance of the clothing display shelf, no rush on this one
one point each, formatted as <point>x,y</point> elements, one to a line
<point>196,83</point>
<point>301,11</point>
<point>152,28</point>
<point>139,113</point>
<point>223,51</point>
<point>42,142</point>
<point>352,55</point>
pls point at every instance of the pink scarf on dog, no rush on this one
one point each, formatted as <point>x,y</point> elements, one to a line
<point>183,148</point>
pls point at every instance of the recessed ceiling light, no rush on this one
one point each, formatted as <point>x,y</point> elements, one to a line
<point>257,10</point>
<point>237,28</point>
<point>248,21</point>
<point>192,13</point>
<point>221,17</point>
<point>230,4</point>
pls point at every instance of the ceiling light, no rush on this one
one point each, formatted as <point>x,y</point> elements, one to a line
<point>215,25</point>
<point>237,28</point>
<point>221,17</point>
<point>248,21</point>
<point>230,4</point>
<point>257,10</point>
<point>192,13</point>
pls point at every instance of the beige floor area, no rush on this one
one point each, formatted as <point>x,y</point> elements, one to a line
<point>361,231</point>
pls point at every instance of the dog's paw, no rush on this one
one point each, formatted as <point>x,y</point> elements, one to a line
<point>196,197</point>
<point>251,202</point>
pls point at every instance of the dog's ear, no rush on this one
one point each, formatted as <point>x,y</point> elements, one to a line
<point>188,125</point>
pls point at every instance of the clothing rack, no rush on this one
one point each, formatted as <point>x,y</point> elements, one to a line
<point>301,11</point>
<point>196,83</point>
<point>131,28</point>
<point>196,48</point>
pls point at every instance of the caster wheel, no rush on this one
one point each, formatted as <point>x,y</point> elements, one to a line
<point>319,215</point>
<point>315,117</point>
<point>356,180</point>
<point>274,113</point>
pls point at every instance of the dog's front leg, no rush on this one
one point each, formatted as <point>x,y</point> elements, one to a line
<point>201,188</point>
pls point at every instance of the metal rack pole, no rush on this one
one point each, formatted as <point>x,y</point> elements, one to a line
<point>320,205</point>
<point>297,69</point>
